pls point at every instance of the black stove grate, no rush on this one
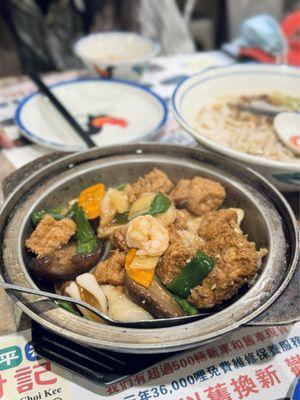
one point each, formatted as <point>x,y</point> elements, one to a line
<point>100,366</point>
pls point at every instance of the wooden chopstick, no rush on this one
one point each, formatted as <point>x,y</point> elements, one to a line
<point>61,109</point>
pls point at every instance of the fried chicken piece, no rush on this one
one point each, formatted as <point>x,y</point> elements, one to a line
<point>198,195</point>
<point>118,238</point>
<point>153,182</point>
<point>184,243</point>
<point>180,223</point>
<point>129,190</point>
<point>173,260</point>
<point>237,259</point>
<point>185,227</point>
<point>49,235</point>
<point>182,218</point>
<point>173,233</point>
<point>183,247</point>
<point>215,223</point>
<point>186,220</point>
<point>111,271</point>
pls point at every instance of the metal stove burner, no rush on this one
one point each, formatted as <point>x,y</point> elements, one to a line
<point>100,366</point>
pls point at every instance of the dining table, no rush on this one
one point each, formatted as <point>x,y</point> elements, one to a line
<point>258,362</point>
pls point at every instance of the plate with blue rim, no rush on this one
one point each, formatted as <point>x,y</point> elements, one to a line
<point>111,111</point>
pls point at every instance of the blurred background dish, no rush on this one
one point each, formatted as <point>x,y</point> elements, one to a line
<point>116,54</point>
<point>197,105</point>
<point>111,111</point>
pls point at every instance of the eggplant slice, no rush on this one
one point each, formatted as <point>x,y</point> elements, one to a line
<point>155,299</point>
<point>65,264</point>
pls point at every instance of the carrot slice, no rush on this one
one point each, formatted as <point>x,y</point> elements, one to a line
<point>90,198</point>
<point>142,276</point>
<point>129,258</point>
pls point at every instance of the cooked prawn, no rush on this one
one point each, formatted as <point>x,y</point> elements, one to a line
<point>148,235</point>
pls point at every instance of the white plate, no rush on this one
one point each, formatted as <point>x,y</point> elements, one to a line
<point>137,114</point>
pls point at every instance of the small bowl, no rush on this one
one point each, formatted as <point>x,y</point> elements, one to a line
<point>116,54</point>
<point>197,91</point>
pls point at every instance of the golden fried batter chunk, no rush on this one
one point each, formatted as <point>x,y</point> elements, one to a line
<point>182,248</point>
<point>181,192</point>
<point>237,259</point>
<point>198,195</point>
<point>184,221</point>
<point>173,260</point>
<point>182,218</point>
<point>182,234</point>
<point>118,238</point>
<point>130,193</point>
<point>49,235</point>
<point>111,271</point>
<point>179,224</point>
<point>154,181</point>
<point>173,233</point>
<point>215,223</point>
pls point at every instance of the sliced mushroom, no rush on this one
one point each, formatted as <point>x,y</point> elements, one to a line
<point>155,299</point>
<point>65,264</point>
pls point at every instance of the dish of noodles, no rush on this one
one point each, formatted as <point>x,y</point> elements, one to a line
<point>224,121</point>
<point>144,250</point>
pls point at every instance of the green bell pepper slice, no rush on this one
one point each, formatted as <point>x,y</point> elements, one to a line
<point>186,305</point>
<point>191,275</point>
<point>85,236</point>
<point>159,205</point>
<point>37,216</point>
<point>67,306</point>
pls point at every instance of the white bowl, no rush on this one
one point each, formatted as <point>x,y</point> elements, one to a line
<point>120,55</point>
<point>197,91</point>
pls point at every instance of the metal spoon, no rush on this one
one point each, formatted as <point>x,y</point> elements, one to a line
<point>152,323</point>
<point>262,107</point>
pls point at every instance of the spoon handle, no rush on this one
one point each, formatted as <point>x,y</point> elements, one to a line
<point>258,111</point>
<point>37,292</point>
<point>154,323</point>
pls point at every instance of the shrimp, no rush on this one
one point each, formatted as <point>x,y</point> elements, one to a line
<point>148,235</point>
<point>114,201</point>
